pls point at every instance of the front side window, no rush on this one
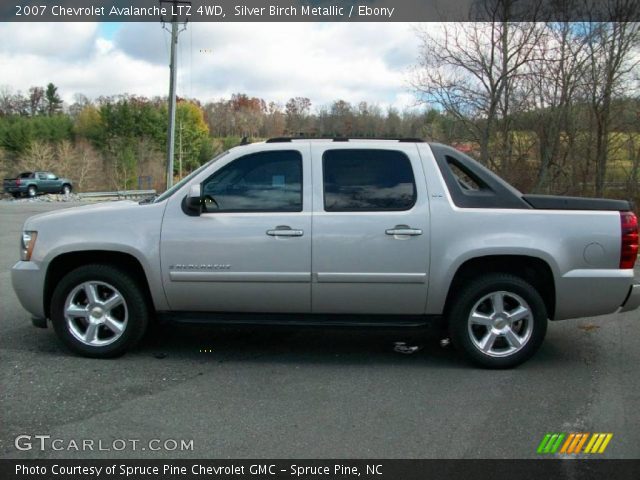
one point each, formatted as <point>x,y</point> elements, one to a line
<point>258,182</point>
<point>367,180</point>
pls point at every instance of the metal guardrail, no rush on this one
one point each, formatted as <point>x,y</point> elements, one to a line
<point>119,194</point>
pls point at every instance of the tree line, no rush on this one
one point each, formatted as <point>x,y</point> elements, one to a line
<point>120,141</point>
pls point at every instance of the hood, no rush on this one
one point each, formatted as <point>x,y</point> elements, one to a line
<point>122,206</point>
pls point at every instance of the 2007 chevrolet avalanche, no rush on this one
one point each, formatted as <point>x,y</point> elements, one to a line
<point>342,232</point>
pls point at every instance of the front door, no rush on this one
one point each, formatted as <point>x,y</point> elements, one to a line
<point>250,249</point>
<point>46,182</point>
<point>371,230</point>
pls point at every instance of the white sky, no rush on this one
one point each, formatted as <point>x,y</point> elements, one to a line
<point>274,61</point>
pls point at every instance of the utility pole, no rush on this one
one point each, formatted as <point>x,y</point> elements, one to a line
<point>180,151</point>
<point>176,9</point>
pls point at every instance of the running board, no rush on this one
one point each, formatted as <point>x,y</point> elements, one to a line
<point>301,320</point>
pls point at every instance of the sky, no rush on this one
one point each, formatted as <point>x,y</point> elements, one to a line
<point>274,61</point>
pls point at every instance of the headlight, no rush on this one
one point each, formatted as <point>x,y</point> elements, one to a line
<point>27,244</point>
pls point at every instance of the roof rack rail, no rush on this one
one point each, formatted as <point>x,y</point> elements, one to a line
<point>342,139</point>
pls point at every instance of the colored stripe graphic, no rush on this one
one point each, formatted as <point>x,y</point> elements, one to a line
<point>573,443</point>
<point>581,443</point>
<point>551,442</point>
<point>543,443</point>
<point>598,443</point>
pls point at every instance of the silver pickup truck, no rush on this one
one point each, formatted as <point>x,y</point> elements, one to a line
<point>332,232</point>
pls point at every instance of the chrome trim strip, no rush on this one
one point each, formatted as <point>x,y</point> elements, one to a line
<point>291,277</point>
<point>372,277</point>
<point>599,273</point>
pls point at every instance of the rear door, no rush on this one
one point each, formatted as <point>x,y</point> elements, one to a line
<point>370,246</point>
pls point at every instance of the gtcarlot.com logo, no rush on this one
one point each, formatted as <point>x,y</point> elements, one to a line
<point>46,442</point>
<point>574,443</point>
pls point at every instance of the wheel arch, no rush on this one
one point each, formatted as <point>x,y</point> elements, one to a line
<point>533,270</point>
<point>66,262</point>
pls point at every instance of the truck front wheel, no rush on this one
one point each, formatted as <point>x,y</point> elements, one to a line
<point>99,311</point>
<point>498,321</point>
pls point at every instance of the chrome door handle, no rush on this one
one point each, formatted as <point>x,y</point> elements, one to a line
<point>403,230</point>
<point>284,231</point>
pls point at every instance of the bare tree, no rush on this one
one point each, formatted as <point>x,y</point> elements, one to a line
<point>610,45</point>
<point>555,83</point>
<point>38,156</point>
<point>275,121</point>
<point>36,101</point>
<point>473,71</point>
<point>12,103</point>
<point>4,167</point>
<point>297,111</point>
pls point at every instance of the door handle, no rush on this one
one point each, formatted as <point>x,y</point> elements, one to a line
<point>403,230</point>
<point>284,231</point>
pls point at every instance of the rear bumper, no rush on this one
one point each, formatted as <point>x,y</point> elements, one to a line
<point>633,299</point>
<point>15,189</point>
<point>591,292</point>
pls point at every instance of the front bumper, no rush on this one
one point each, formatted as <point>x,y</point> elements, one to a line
<point>28,283</point>
<point>633,299</point>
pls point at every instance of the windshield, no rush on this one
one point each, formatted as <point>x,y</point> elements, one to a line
<point>186,179</point>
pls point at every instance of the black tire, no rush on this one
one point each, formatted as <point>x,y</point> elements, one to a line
<point>32,191</point>
<point>66,189</point>
<point>467,336</point>
<point>135,303</point>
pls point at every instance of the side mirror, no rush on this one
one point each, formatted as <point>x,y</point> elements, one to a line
<point>192,203</point>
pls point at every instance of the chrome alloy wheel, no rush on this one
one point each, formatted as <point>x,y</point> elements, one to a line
<point>500,324</point>
<point>96,313</point>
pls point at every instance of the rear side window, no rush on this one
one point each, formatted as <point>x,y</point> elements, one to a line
<point>367,180</point>
<point>259,182</point>
<point>464,177</point>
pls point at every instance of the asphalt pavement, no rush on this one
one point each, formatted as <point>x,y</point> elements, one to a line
<point>257,393</point>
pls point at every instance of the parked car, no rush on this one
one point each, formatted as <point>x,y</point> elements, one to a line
<point>328,233</point>
<point>34,183</point>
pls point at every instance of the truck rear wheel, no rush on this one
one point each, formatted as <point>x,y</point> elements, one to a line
<point>498,321</point>
<point>32,191</point>
<point>99,311</point>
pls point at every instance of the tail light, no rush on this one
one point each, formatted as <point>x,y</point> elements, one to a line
<point>629,247</point>
<point>18,181</point>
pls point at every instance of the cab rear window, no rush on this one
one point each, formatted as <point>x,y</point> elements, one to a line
<point>367,180</point>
